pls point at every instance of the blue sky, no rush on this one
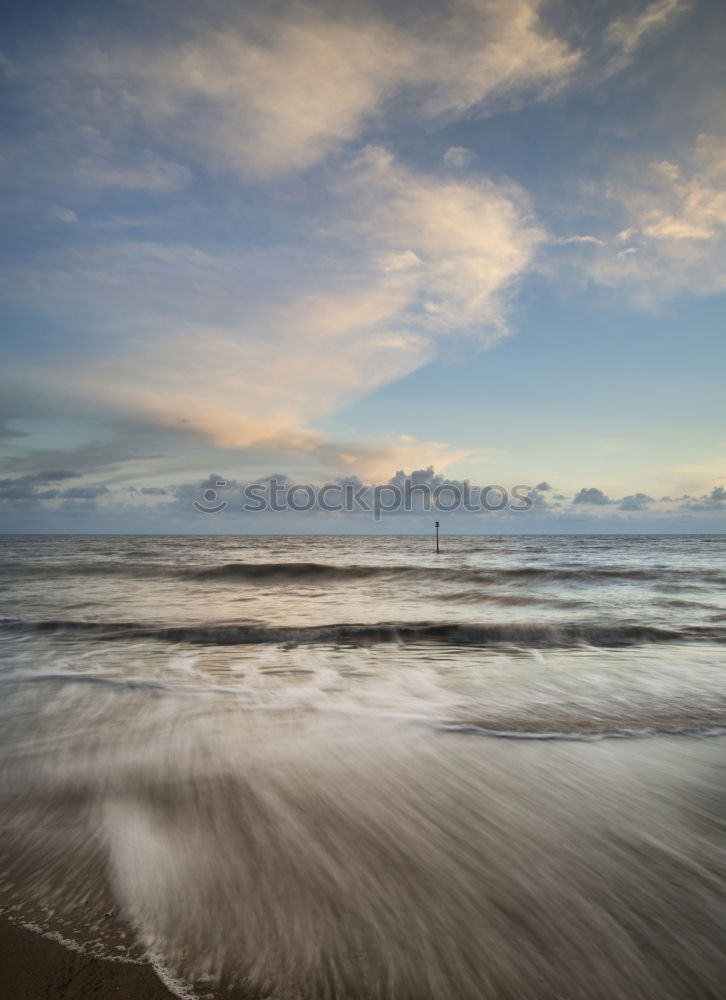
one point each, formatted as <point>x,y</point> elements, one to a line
<point>330,240</point>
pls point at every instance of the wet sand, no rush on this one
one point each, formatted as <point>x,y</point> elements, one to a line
<point>36,968</point>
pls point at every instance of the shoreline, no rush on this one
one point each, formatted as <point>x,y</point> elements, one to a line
<point>34,967</point>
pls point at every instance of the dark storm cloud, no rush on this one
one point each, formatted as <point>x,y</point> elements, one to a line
<point>26,487</point>
<point>592,495</point>
<point>715,500</point>
<point>85,492</point>
<point>55,476</point>
<point>637,501</point>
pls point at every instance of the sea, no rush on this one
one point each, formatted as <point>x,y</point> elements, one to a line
<point>353,767</point>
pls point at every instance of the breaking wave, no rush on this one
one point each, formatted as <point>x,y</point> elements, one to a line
<point>535,635</point>
<point>280,573</point>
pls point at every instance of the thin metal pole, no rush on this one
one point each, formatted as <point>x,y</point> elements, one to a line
<point>437,537</point>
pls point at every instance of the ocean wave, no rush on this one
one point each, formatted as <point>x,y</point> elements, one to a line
<point>586,735</point>
<point>281,572</point>
<point>74,677</point>
<point>535,635</point>
<point>88,568</point>
<point>544,723</point>
<point>510,600</point>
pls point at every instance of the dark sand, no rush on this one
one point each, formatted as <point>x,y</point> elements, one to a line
<point>35,968</point>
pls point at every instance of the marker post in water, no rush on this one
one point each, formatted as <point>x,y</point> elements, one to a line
<point>437,536</point>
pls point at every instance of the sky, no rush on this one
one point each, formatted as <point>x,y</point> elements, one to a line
<point>344,242</point>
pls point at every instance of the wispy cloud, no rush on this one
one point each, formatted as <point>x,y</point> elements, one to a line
<point>194,345</point>
<point>674,236</point>
<point>144,172</point>
<point>629,32</point>
<point>273,90</point>
<point>457,156</point>
<point>60,214</point>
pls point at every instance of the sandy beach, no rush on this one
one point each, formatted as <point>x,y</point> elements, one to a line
<point>34,967</point>
<point>343,779</point>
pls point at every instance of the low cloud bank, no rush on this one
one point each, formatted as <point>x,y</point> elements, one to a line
<point>405,502</point>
